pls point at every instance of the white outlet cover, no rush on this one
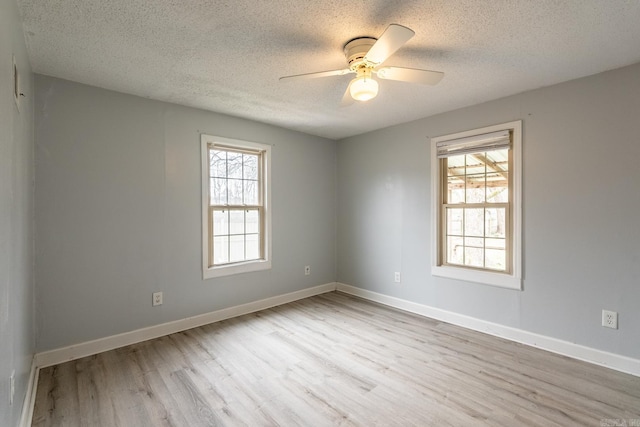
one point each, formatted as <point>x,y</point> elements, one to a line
<point>610,319</point>
<point>157,298</point>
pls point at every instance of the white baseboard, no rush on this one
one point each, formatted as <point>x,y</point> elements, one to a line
<point>76,351</point>
<point>30,397</point>
<point>565,348</point>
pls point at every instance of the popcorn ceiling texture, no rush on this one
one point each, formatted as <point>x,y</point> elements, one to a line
<point>227,56</point>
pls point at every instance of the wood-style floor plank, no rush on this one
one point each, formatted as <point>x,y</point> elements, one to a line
<point>332,360</point>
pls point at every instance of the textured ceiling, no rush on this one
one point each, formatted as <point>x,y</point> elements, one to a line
<point>227,55</point>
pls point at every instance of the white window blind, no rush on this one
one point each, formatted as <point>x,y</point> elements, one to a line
<point>474,144</point>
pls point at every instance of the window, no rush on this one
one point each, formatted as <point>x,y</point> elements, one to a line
<point>476,179</point>
<point>236,216</point>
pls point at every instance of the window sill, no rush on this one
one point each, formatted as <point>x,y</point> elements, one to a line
<point>228,270</point>
<point>484,277</point>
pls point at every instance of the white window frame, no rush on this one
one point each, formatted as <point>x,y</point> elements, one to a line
<point>513,279</point>
<point>264,263</point>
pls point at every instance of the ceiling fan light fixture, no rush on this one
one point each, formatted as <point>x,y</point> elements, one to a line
<point>363,88</point>
<point>365,55</point>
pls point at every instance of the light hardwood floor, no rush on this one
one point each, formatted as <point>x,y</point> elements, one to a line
<point>332,360</point>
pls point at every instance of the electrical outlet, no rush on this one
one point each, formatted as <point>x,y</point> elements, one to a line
<point>307,270</point>
<point>12,387</point>
<point>609,319</point>
<point>157,298</point>
<point>396,277</point>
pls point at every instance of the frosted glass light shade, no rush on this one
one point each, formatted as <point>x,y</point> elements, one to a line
<point>363,88</point>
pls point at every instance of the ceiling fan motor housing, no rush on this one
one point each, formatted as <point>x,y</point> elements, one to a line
<point>356,49</point>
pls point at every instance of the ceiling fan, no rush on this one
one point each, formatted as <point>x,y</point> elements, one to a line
<point>365,56</point>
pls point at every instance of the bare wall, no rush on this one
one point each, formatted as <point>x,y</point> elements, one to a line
<point>17,328</point>
<point>118,196</point>
<point>581,174</point>
<point>118,191</point>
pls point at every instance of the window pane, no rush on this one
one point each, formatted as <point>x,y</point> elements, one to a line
<point>236,248</point>
<point>474,164</point>
<point>496,259</point>
<point>474,222</point>
<point>495,222</point>
<point>497,189</point>
<point>496,179</point>
<point>498,159</point>
<point>474,257</point>
<point>253,246</point>
<point>250,167</point>
<point>235,192</point>
<point>455,186</point>
<point>220,223</point>
<point>218,191</point>
<point>234,165</point>
<point>217,163</point>
<point>454,221</point>
<point>455,250</point>
<point>250,192</point>
<point>236,222</point>
<point>475,188</point>
<point>220,249</point>
<point>455,165</point>
<point>252,223</point>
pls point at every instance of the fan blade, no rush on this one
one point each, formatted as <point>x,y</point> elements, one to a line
<point>391,40</point>
<point>316,75</point>
<point>347,99</point>
<point>411,75</point>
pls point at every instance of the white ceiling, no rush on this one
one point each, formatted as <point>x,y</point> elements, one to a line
<point>227,55</point>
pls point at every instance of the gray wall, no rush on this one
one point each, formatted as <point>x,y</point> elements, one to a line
<point>118,196</point>
<point>581,180</point>
<point>118,191</point>
<point>17,337</point>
